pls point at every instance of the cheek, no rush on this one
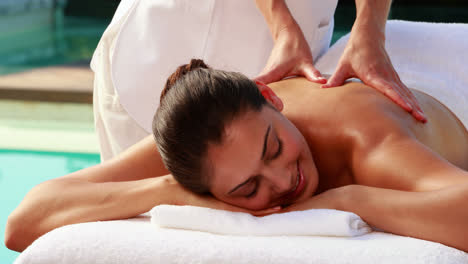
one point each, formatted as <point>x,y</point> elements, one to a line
<point>294,144</point>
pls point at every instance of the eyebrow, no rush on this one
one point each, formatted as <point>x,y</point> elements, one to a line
<point>262,157</point>
<point>265,142</point>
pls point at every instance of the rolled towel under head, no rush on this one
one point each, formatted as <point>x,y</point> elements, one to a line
<point>314,222</point>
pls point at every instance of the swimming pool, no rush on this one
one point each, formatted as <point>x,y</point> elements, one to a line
<point>40,141</point>
<point>20,170</point>
<point>70,40</point>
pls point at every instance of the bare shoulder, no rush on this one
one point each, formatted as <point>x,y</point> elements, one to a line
<point>387,146</point>
<point>404,163</point>
<point>393,150</point>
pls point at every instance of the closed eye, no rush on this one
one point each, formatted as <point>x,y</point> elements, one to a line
<point>252,194</point>
<point>254,191</point>
<point>280,149</point>
<point>276,155</point>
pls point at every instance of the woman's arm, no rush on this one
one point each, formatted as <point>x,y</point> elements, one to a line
<point>63,201</point>
<point>410,190</point>
<point>139,161</point>
<point>404,188</point>
<point>439,215</point>
<point>123,187</point>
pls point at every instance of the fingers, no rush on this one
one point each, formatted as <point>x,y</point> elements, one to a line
<point>409,97</point>
<point>270,76</point>
<point>338,78</point>
<point>267,211</point>
<point>312,74</point>
<point>307,70</point>
<point>417,112</point>
<point>402,96</point>
<point>394,94</point>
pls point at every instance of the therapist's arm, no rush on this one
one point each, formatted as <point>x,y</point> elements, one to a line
<point>365,57</point>
<point>291,53</point>
<point>277,16</point>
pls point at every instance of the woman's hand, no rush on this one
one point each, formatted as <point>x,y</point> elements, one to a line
<point>290,56</point>
<point>211,202</point>
<point>330,199</point>
<point>365,57</point>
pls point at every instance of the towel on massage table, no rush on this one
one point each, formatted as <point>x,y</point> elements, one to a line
<point>318,222</point>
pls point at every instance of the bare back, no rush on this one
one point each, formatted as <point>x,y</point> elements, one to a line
<point>336,121</point>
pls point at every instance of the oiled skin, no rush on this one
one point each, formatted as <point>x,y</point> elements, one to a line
<point>339,122</point>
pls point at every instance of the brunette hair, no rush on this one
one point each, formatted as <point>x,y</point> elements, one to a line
<point>195,106</point>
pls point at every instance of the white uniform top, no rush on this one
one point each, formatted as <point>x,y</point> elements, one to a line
<point>148,39</point>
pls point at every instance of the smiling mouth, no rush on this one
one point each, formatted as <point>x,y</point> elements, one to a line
<point>298,187</point>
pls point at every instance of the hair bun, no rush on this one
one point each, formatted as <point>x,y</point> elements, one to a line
<point>180,72</point>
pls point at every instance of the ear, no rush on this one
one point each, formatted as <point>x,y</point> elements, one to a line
<point>270,96</point>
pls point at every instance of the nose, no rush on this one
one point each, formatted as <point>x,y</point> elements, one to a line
<point>279,180</point>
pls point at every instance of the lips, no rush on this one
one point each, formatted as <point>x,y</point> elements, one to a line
<point>298,188</point>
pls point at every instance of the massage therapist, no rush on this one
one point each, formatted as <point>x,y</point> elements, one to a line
<point>265,39</point>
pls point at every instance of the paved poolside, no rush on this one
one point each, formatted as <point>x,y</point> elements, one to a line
<point>68,83</point>
<point>48,109</point>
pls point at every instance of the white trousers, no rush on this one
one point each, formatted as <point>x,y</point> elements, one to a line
<point>148,39</point>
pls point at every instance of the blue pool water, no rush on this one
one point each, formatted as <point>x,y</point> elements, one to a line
<point>71,40</point>
<point>21,170</point>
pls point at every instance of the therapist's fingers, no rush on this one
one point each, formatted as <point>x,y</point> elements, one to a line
<point>312,74</point>
<point>280,72</point>
<point>417,112</point>
<point>272,75</point>
<point>394,94</point>
<point>407,95</point>
<point>401,95</point>
<point>340,75</point>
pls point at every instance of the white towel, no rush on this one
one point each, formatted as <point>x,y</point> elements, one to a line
<point>430,57</point>
<point>314,222</point>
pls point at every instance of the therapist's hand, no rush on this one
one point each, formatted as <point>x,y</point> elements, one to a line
<point>365,57</point>
<point>290,56</point>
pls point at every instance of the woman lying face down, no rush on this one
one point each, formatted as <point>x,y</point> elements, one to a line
<point>348,148</point>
